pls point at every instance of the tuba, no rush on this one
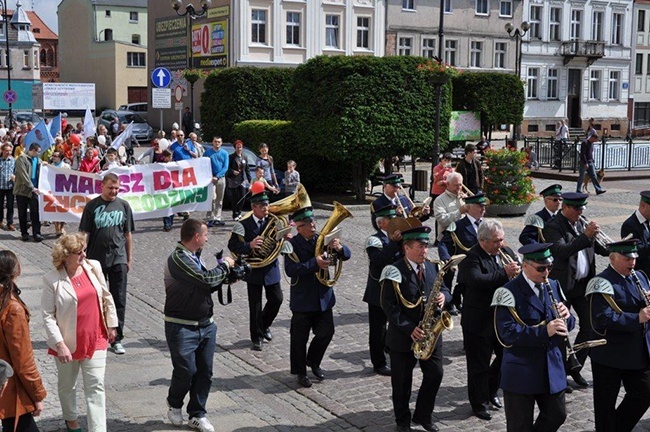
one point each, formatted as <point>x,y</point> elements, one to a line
<point>278,221</point>
<point>339,214</point>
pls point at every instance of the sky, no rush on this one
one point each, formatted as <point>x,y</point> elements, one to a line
<point>46,9</point>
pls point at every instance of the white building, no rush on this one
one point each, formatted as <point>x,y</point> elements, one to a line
<point>576,64</point>
<point>640,84</point>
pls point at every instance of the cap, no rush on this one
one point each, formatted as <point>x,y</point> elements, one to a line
<point>305,213</point>
<point>645,197</point>
<point>393,179</point>
<point>478,198</point>
<point>625,247</point>
<point>260,197</point>
<point>419,233</point>
<point>575,199</point>
<point>6,371</point>
<point>388,211</point>
<point>537,252</point>
<point>552,190</point>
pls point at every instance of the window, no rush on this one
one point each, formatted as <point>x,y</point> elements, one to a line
<point>531,83</point>
<point>594,85</point>
<point>617,29</point>
<point>2,29</point>
<point>554,24</point>
<point>641,113</point>
<point>640,26</point>
<point>500,55</point>
<point>408,4</point>
<point>332,31</point>
<point>638,65</point>
<point>505,8</point>
<point>107,14</point>
<point>449,7</point>
<point>551,84</point>
<point>133,17</point>
<point>450,52</point>
<point>293,28</point>
<point>475,54</point>
<point>576,19</point>
<point>3,58</point>
<point>35,56</point>
<point>613,84</point>
<point>428,47</point>
<point>647,64</point>
<point>108,34</point>
<point>597,26</point>
<point>135,39</point>
<point>405,46</point>
<point>363,32</point>
<point>134,59</point>
<point>26,56</point>
<point>535,22</point>
<point>482,7</point>
<point>258,26</point>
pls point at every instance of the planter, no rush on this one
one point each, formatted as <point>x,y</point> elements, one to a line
<point>507,209</point>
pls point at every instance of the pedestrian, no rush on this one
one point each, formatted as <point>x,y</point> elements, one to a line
<point>586,163</point>
<point>183,150</point>
<point>483,145</point>
<point>470,168</point>
<point>23,398</point>
<point>219,165</point>
<point>165,157</point>
<point>238,178</point>
<point>112,160</point>
<point>115,128</point>
<point>190,330</point>
<point>90,162</point>
<point>265,162</point>
<point>291,178</point>
<point>188,121</point>
<point>80,321</point>
<point>259,177</point>
<point>28,167</point>
<point>57,161</point>
<point>7,167</point>
<point>108,221</point>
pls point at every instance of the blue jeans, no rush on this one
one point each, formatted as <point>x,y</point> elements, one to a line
<point>168,221</point>
<point>192,351</point>
<point>591,169</point>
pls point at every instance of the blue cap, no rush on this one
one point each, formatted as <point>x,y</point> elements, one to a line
<point>388,211</point>
<point>625,247</point>
<point>478,198</point>
<point>537,252</point>
<point>575,199</point>
<point>305,213</point>
<point>419,233</point>
<point>645,197</point>
<point>260,197</point>
<point>552,190</point>
<point>393,179</point>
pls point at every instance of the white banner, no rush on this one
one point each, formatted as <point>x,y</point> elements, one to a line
<point>152,190</point>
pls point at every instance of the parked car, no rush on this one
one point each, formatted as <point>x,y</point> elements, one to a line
<point>142,131</point>
<point>141,108</point>
<point>23,116</point>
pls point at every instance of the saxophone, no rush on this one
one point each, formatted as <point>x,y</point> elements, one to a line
<point>434,320</point>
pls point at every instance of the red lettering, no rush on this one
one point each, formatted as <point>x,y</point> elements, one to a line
<point>161,180</point>
<point>189,177</point>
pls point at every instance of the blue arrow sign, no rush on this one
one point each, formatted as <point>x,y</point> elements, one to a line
<point>161,77</point>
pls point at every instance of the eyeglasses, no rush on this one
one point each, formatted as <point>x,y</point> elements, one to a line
<point>81,252</point>
<point>542,269</point>
<point>555,199</point>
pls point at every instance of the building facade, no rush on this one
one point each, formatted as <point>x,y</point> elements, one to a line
<point>639,106</point>
<point>105,42</point>
<point>49,48</point>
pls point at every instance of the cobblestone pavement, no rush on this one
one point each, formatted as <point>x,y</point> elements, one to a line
<point>254,390</point>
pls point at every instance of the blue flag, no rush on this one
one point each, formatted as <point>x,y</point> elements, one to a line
<point>40,135</point>
<point>55,126</point>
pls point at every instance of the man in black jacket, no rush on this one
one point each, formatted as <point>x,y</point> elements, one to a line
<point>638,224</point>
<point>470,169</point>
<point>586,163</point>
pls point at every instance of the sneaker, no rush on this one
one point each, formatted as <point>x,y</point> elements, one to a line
<point>118,348</point>
<point>201,423</point>
<point>211,223</point>
<point>175,415</point>
<point>11,227</point>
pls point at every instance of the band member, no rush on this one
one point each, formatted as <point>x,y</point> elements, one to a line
<point>381,251</point>
<point>247,235</point>
<point>488,266</point>
<point>639,226</point>
<point>532,327</point>
<point>449,207</point>
<point>552,200</point>
<point>573,248</point>
<point>311,301</point>
<point>620,314</point>
<point>391,195</point>
<point>406,286</point>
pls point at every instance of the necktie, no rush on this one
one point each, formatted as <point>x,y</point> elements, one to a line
<point>540,292</point>
<point>260,224</point>
<point>647,225</point>
<point>420,273</point>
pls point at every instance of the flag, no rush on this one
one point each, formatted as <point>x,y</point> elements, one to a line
<point>89,124</point>
<point>55,126</point>
<point>121,138</point>
<point>40,135</point>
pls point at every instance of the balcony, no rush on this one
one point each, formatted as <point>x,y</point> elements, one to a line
<point>591,50</point>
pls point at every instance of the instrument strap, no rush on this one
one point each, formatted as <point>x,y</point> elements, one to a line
<point>228,296</point>
<point>519,321</point>
<point>541,235</point>
<point>457,242</point>
<point>407,304</point>
<point>612,303</point>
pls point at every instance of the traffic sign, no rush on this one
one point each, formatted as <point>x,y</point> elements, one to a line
<point>178,93</point>
<point>10,96</point>
<point>161,77</point>
<point>161,98</point>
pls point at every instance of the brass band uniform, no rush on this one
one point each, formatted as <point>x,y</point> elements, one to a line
<point>532,323</point>
<point>406,287</point>
<point>532,232</point>
<point>391,195</point>
<point>620,313</point>
<point>638,224</point>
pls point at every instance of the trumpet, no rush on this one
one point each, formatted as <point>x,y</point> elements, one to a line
<point>601,238</point>
<point>507,259</point>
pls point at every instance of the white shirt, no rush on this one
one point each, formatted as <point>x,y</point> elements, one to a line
<point>550,212</point>
<point>446,209</point>
<point>415,266</point>
<point>472,220</point>
<point>582,266</point>
<point>531,284</point>
<point>641,219</point>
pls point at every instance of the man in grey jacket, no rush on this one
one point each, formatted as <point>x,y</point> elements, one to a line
<point>28,167</point>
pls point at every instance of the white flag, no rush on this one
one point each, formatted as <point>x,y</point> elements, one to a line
<point>121,138</point>
<point>89,124</point>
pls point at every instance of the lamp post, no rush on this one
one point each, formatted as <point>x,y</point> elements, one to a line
<point>436,137</point>
<point>191,13</point>
<point>517,34</point>
<point>3,3</point>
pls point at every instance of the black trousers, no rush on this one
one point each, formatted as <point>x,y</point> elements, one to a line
<point>302,323</point>
<point>26,423</point>
<point>8,195</point>
<point>581,306</point>
<point>607,384</point>
<point>402,364</point>
<point>261,319</point>
<point>520,411</point>
<point>23,203</point>
<point>238,200</point>
<point>483,377</point>
<point>377,335</point>
<point>116,279</point>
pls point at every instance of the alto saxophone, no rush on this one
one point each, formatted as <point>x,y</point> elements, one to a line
<point>434,320</point>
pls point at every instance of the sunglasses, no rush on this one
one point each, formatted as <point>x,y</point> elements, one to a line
<point>542,269</point>
<point>555,199</point>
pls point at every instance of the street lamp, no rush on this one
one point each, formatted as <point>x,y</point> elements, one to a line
<point>517,34</point>
<point>191,13</point>
<point>436,139</point>
<point>6,22</point>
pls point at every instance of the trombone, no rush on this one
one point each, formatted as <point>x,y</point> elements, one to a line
<point>416,211</point>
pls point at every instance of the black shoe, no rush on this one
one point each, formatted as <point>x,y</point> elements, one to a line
<point>211,223</point>
<point>257,346</point>
<point>400,428</point>
<point>304,381</point>
<point>384,370</point>
<point>483,415</point>
<point>568,389</point>
<point>38,238</point>
<point>268,335</point>
<point>496,402</point>
<point>167,228</point>
<point>220,223</point>
<point>453,311</point>
<point>428,426</point>
<point>602,191</point>
<point>25,238</point>
<point>579,380</point>
<point>318,373</point>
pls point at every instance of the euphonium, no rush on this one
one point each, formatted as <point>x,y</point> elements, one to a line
<point>434,320</point>
<point>339,214</point>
